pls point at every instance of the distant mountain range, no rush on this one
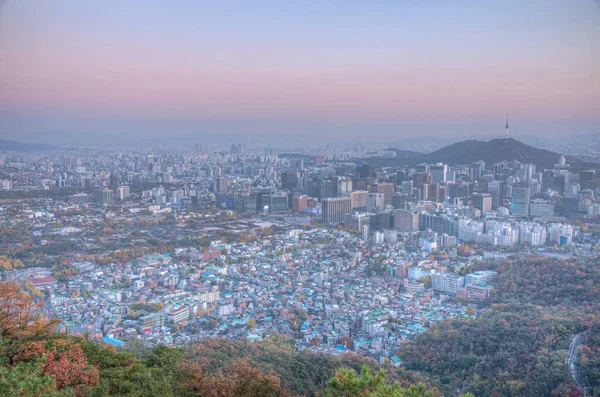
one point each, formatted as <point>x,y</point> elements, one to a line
<point>25,147</point>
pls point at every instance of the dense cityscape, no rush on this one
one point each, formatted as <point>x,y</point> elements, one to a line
<point>299,199</point>
<point>176,247</point>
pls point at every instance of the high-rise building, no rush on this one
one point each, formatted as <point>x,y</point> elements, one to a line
<point>586,179</point>
<point>221,186</point>
<point>359,200</point>
<point>356,220</point>
<point>334,209</point>
<point>122,192</point>
<point>482,201</point>
<point>365,232</point>
<point>542,208</point>
<point>421,178</point>
<point>406,221</point>
<point>376,202</point>
<point>496,190</point>
<point>299,203</point>
<point>278,202</point>
<point>387,189</point>
<point>326,188</point>
<point>104,196</point>
<point>438,173</point>
<point>289,180</point>
<point>343,186</point>
<point>520,200</point>
<point>407,187</point>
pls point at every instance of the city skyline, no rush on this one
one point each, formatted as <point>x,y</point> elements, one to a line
<point>88,72</point>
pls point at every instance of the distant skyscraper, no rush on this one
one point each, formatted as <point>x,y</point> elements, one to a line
<point>521,196</point>
<point>333,209</point>
<point>376,202</point>
<point>387,189</point>
<point>221,186</point>
<point>438,173</point>
<point>365,232</point>
<point>506,127</point>
<point>483,201</point>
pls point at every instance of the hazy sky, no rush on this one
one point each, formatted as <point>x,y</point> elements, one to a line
<point>78,70</point>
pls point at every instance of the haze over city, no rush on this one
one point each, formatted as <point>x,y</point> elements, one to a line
<point>81,72</point>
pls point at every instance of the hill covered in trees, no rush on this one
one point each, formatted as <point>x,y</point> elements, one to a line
<point>519,345</point>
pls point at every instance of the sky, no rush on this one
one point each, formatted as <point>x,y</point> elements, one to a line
<point>75,71</point>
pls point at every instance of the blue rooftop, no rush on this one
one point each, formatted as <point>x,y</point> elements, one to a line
<point>113,341</point>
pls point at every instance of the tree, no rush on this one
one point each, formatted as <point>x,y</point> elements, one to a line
<point>251,323</point>
<point>20,321</point>
<point>346,383</point>
<point>70,368</point>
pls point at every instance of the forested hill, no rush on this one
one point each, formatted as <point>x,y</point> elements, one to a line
<point>519,346</point>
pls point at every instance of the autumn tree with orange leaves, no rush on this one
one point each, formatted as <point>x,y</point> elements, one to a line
<point>21,321</point>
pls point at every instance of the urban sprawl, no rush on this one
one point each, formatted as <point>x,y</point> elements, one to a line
<point>176,246</point>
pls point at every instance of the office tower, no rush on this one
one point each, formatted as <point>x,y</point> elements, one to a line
<point>365,232</point>
<point>562,181</point>
<point>421,178</point>
<point>221,186</point>
<point>427,191</point>
<point>343,186</point>
<point>365,171</point>
<point>299,203</point>
<point>359,183</point>
<point>375,202</point>
<point>407,187</point>
<point>496,190</point>
<point>520,200</point>
<point>387,189</point>
<point>586,179</point>
<point>547,180</point>
<point>359,200</point>
<point>289,180</point>
<point>122,192</point>
<point>326,188</point>
<point>333,209</point>
<point>499,168</point>
<point>477,170</point>
<point>439,193</point>
<point>278,202</point>
<point>104,196</point>
<point>356,220</point>
<point>450,176</point>
<point>401,176</point>
<point>543,208</point>
<point>438,172</point>
<point>482,201</point>
<point>246,203</point>
<point>529,171</point>
<point>406,221</point>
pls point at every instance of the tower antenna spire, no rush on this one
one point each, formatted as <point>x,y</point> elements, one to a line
<point>506,127</point>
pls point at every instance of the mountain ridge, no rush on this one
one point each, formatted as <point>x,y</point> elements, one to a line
<point>25,147</point>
